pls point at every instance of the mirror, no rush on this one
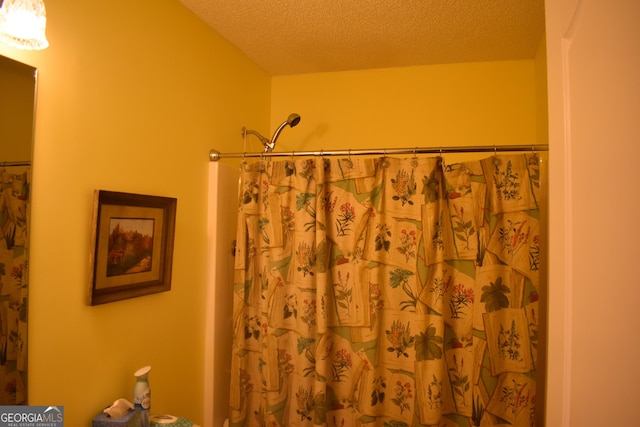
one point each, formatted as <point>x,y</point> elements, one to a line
<point>18,88</point>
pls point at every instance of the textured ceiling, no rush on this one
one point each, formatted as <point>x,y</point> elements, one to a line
<point>307,36</point>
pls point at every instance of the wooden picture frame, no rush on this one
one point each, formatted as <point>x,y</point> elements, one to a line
<point>132,245</point>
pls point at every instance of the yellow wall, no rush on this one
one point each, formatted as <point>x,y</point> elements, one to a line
<point>490,103</point>
<point>131,98</point>
<point>133,102</point>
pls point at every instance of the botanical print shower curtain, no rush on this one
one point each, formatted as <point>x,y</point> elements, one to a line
<point>387,292</point>
<point>14,237</point>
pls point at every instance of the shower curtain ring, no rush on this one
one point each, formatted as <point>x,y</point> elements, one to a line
<point>440,158</point>
<point>496,162</point>
<point>534,156</point>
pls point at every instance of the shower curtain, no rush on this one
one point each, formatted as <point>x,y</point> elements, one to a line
<point>14,264</point>
<point>387,292</point>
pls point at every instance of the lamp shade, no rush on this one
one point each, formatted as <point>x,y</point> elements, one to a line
<point>23,24</point>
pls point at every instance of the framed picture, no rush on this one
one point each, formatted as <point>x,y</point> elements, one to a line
<point>132,245</point>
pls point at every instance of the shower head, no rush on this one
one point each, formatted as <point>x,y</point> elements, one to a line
<point>292,121</point>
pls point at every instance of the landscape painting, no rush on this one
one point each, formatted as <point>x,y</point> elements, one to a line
<point>130,246</point>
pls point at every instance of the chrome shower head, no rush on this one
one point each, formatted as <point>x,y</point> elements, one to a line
<point>292,121</point>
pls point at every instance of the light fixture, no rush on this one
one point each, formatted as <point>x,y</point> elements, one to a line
<point>23,24</point>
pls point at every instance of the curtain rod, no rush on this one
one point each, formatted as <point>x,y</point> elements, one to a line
<point>215,155</point>
<point>16,163</point>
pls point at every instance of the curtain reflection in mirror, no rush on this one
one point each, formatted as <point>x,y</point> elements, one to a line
<point>14,266</point>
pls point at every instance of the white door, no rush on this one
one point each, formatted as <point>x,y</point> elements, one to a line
<point>593,49</point>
